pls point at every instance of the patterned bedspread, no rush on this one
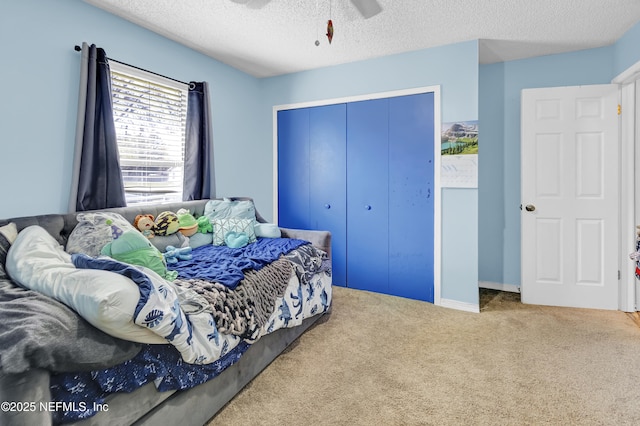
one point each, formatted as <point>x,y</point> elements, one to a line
<point>244,310</point>
<point>160,310</point>
<point>160,364</point>
<point>305,295</point>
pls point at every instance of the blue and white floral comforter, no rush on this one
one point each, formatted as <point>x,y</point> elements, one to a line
<point>160,310</point>
<point>164,367</point>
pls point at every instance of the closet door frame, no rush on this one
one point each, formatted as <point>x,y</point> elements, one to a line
<point>437,121</point>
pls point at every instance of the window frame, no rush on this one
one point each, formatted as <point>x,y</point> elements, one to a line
<point>146,188</point>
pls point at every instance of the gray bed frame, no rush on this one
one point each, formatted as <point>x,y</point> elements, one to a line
<point>147,406</point>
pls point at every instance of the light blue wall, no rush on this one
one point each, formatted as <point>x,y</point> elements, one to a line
<point>455,69</point>
<point>40,71</point>
<point>626,50</point>
<point>491,212</point>
<point>460,244</point>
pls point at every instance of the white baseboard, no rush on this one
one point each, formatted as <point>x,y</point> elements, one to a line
<point>499,286</point>
<point>461,306</point>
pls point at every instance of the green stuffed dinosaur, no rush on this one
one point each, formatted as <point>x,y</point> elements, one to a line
<point>135,249</point>
<point>204,225</point>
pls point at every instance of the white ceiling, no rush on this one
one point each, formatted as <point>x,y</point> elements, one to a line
<point>279,38</point>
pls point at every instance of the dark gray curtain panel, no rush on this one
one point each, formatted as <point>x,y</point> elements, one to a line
<point>97,179</point>
<point>198,157</point>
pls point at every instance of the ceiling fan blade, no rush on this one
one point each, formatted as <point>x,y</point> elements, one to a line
<point>257,4</point>
<point>367,8</point>
<point>252,4</point>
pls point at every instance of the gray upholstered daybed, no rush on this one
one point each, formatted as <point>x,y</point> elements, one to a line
<point>75,345</point>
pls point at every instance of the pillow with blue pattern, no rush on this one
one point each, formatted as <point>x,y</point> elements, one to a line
<point>221,227</point>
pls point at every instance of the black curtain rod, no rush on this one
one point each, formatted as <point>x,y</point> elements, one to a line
<point>79,49</point>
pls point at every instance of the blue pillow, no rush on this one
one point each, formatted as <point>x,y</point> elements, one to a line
<point>267,230</point>
<point>224,209</point>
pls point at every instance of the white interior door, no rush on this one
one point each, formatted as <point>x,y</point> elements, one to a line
<point>570,196</point>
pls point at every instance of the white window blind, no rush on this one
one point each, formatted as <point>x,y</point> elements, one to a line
<point>150,114</point>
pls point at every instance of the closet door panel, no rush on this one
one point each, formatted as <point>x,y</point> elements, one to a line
<point>411,206</point>
<point>327,181</point>
<point>367,195</point>
<point>293,168</point>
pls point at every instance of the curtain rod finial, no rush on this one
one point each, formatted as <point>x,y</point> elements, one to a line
<point>77,48</point>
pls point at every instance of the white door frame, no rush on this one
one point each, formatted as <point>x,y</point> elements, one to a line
<point>437,190</point>
<point>629,181</point>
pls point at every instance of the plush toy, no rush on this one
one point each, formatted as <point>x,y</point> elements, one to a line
<point>133,248</point>
<point>236,239</point>
<point>188,224</point>
<point>166,223</point>
<point>145,224</point>
<point>204,225</point>
<point>173,255</point>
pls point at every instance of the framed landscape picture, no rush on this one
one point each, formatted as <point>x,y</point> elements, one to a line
<point>459,154</point>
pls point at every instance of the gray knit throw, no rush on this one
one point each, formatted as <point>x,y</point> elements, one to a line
<point>243,311</point>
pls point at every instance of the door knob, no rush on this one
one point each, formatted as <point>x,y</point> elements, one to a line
<point>367,207</point>
<point>530,207</point>
<point>327,206</point>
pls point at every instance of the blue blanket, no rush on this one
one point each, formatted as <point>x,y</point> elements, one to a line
<point>225,265</point>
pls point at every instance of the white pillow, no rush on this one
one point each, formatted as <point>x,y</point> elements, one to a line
<point>107,300</point>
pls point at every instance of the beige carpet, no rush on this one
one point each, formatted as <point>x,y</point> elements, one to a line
<point>383,360</point>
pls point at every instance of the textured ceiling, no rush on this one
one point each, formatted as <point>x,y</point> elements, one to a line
<point>279,38</point>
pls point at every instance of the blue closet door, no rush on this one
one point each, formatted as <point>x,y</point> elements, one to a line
<point>411,206</point>
<point>293,168</point>
<point>327,181</point>
<point>368,195</point>
<point>365,172</point>
<point>312,176</point>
